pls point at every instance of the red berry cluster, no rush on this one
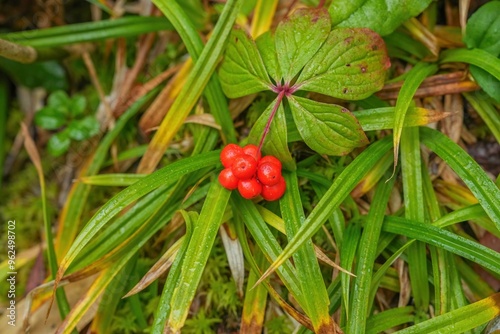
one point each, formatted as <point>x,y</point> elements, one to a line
<point>250,173</point>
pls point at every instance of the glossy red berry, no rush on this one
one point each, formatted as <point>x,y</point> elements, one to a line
<point>228,180</point>
<point>253,151</point>
<point>244,167</point>
<point>250,188</point>
<point>268,173</point>
<point>272,193</point>
<point>229,153</point>
<point>271,159</point>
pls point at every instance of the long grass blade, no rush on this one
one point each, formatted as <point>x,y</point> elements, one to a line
<point>411,169</point>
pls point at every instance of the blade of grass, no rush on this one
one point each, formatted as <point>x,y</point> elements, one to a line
<point>89,31</point>
<point>442,262</point>
<point>467,169</point>
<point>357,321</point>
<point>460,320</point>
<point>415,77</point>
<point>352,236</point>
<point>339,190</point>
<point>384,118</point>
<point>478,57</point>
<point>449,241</point>
<point>200,244</point>
<point>411,170</point>
<point>306,264</point>
<point>195,84</point>
<point>111,180</point>
<point>29,144</point>
<point>385,320</point>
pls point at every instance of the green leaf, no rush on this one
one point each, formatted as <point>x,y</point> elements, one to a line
<point>242,72</point>
<point>49,74</point>
<point>77,105</point>
<point>59,143</point>
<point>379,15</point>
<point>276,140</point>
<point>49,118</point>
<point>267,49</point>
<point>59,99</point>
<point>350,65</point>
<point>483,28</point>
<point>299,37</point>
<point>84,128</point>
<point>327,129</point>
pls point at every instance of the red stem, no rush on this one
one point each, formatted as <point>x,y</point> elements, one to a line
<point>273,112</point>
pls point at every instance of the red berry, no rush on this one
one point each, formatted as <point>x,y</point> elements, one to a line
<point>272,193</point>
<point>249,188</point>
<point>244,167</point>
<point>228,180</point>
<point>268,173</point>
<point>229,153</point>
<point>253,151</point>
<point>272,159</point>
